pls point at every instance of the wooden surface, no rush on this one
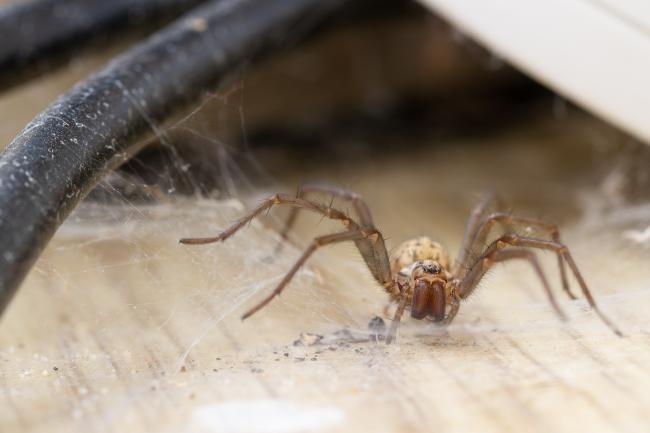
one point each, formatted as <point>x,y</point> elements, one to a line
<point>121,329</point>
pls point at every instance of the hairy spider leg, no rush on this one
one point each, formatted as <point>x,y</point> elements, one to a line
<point>455,305</point>
<point>396,320</point>
<point>510,221</point>
<point>468,284</point>
<point>374,253</point>
<point>372,249</point>
<point>471,227</point>
<point>313,246</point>
<point>267,204</point>
<point>360,206</point>
<point>494,256</point>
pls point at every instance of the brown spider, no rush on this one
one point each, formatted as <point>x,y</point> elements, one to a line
<point>419,276</point>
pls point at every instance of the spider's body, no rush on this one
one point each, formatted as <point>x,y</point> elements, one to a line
<point>420,274</point>
<point>420,277</point>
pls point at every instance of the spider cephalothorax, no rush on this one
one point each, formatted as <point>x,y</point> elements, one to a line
<point>419,277</point>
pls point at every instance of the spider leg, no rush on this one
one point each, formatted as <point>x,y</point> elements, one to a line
<point>471,227</point>
<point>455,305</point>
<point>515,240</point>
<point>360,206</point>
<point>509,220</point>
<point>392,333</point>
<point>315,244</point>
<point>267,204</point>
<point>372,250</point>
<point>489,259</point>
<point>374,253</point>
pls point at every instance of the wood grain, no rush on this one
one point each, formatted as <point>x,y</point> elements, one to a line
<point>120,328</point>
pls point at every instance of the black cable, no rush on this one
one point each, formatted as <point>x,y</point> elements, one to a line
<point>66,149</point>
<point>38,35</point>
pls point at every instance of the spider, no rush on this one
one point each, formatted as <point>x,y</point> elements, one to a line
<point>419,276</point>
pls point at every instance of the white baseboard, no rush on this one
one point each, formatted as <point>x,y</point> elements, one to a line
<point>595,53</point>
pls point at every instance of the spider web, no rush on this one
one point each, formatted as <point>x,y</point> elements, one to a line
<point>117,264</point>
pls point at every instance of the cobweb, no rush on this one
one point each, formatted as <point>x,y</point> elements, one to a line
<point>116,266</point>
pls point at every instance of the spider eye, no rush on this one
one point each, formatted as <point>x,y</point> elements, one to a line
<point>431,269</point>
